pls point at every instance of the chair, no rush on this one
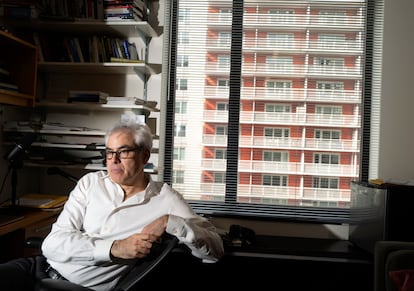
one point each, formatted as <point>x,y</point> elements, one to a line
<point>393,256</point>
<point>131,280</point>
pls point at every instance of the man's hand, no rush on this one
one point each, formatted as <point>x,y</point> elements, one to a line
<point>134,246</point>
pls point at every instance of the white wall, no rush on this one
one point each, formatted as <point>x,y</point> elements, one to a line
<point>396,131</point>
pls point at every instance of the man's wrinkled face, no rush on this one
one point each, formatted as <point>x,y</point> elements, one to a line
<point>125,161</point>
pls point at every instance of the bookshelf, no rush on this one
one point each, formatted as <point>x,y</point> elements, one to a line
<point>19,60</point>
<point>57,76</point>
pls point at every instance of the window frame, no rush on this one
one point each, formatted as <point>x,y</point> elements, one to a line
<point>229,207</point>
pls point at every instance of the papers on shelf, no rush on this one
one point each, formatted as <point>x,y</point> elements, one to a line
<point>43,201</point>
<point>111,100</point>
<point>35,126</point>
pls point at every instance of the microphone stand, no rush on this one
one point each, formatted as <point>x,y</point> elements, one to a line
<point>14,165</point>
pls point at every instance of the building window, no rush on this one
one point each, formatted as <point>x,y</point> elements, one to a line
<point>179,153</point>
<point>276,132</point>
<point>182,61</point>
<point>325,183</point>
<point>224,39</point>
<point>182,84</point>
<point>327,134</point>
<point>183,37</point>
<point>222,106</point>
<point>274,180</point>
<point>220,154</point>
<point>326,158</point>
<point>275,156</point>
<point>181,107</point>
<point>223,61</point>
<point>219,178</point>
<point>179,130</point>
<point>225,15</point>
<point>178,177</point>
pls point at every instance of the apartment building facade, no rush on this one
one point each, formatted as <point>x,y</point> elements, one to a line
<point>299,95</point>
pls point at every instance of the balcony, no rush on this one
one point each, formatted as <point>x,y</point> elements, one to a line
<point>284,168</point>
<point>280,192</point>
<point>298,118</point>
<point>298,143</point>
<point>299,95</point>
<point>269,21</point>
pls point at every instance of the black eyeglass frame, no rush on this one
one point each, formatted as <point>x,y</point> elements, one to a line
<point>109,154</point>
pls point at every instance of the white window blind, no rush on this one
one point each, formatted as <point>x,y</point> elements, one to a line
<point>274,95</point>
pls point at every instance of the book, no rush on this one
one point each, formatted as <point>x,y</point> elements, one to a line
<point>87,96</point>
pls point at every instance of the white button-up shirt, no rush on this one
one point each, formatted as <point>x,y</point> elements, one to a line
<point>95,215</point>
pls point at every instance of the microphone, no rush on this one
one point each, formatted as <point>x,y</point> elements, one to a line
<point>21,147</point>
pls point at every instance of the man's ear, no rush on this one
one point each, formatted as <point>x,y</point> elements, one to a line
<point>146,156</point>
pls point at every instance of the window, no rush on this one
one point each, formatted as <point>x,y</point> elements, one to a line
<point>181,107</point>
<point>222,106</point>
<point>220,154</point>
<point>278,121</point>
<point>182,84</point>
<point>223,61</point>
<point>182,61</point>
<point>275,156</point>
<point>179,153</point>
<point>184,38</point>
<point>179,130</point>
<point>280,40</point>
<point>224,39</point>
<point>274,180</point>
<point>178,177</point>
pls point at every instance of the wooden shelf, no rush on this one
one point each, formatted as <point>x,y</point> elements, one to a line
<point>92,106</point>
<point>20,59</point>
<point>120,28</point>
<point>57,131</point>
<point>92,167</point>
<point>99,68</point>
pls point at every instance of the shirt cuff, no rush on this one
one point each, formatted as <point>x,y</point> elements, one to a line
<point>177,227</point>
<point>102,250</point>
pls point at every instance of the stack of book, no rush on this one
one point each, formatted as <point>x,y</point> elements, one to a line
<point>125,10</point>
<point>87,96</point>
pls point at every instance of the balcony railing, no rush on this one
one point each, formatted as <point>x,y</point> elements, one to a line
<point>280,192</point>
<point>286,143</point>
<point>284,168</point>
<point>288,94</point>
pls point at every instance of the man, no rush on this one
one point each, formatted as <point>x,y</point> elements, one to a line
<point>113,218</point>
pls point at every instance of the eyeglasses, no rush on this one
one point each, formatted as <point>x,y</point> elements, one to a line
<point>120,154</point>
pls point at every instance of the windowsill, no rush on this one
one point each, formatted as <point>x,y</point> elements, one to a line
<point>294,248</point>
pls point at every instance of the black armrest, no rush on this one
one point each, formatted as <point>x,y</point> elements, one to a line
<point>144,266</point>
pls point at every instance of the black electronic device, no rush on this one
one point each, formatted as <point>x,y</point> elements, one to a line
<point>21,148</point>
<point>384,212</point>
